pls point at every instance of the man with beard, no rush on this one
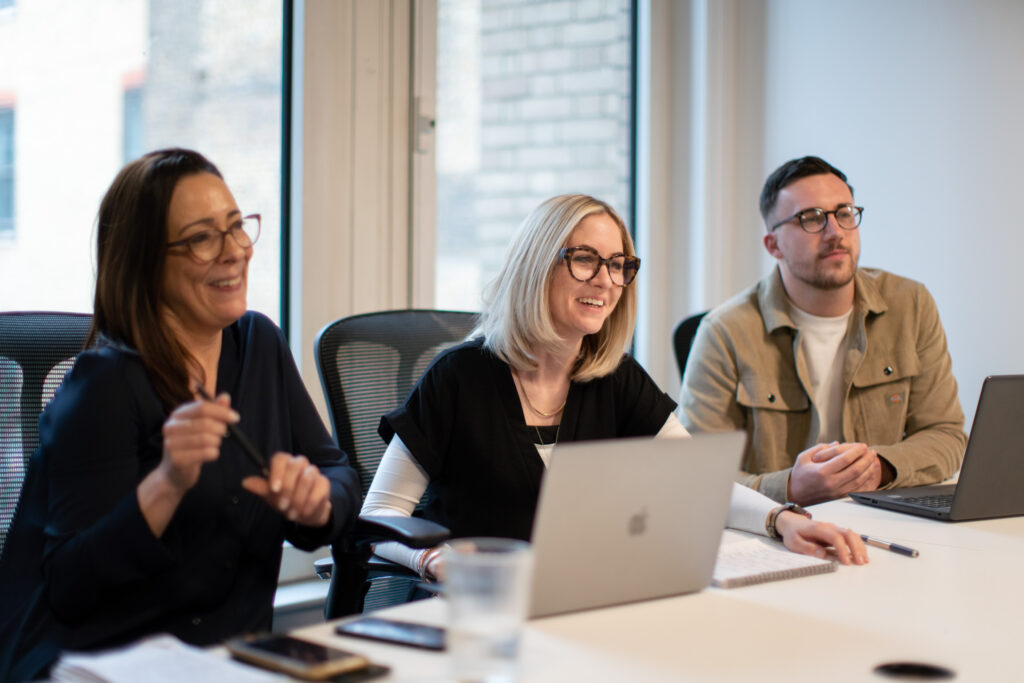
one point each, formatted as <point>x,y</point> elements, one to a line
<point>840,375</point>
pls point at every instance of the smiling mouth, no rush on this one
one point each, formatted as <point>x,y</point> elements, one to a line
<point>596,303</point>
<point>227,282</point>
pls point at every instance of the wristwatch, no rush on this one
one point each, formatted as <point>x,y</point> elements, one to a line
<point>773,516</point>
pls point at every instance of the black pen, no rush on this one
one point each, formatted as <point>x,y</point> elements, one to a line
<point>894,547</point>
<point>244,442</point>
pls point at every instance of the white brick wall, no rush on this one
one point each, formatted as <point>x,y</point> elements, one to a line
<point>555,117</point>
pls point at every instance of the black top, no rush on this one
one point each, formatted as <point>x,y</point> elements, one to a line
<point>104,578</point>
<point>464,424</point>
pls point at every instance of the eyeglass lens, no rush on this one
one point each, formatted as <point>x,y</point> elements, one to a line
<point>207,245</point>
<point>814,220</point>
<point>584,265</point>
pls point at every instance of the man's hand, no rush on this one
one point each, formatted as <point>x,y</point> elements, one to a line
<point>831,470</point>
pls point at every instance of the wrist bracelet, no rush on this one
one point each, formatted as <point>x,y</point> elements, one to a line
<point>424,562</point>
<point>773,516</point>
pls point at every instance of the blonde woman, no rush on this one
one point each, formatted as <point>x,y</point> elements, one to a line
<point>546,365</point>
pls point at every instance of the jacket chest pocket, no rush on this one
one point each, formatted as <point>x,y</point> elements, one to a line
<point>756,393</point>
<point>881,410</point>
<point>779,418</point>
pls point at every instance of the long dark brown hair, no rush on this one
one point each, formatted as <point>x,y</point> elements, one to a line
<point>131,239</point>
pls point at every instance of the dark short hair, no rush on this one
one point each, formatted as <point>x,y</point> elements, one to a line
<point>131,249</point>
<point>790,172</point>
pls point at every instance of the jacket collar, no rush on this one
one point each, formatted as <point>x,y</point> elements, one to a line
<point>775,305</point>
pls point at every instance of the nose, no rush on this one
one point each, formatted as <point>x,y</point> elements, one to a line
<point>831,226</point>
<point>231,250</point>
<point>603,276</point>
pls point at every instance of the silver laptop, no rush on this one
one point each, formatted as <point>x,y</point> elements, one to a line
<point>630,519</point>
<point>992,475</point>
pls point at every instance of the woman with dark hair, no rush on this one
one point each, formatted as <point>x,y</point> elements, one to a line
<point>143,516</point>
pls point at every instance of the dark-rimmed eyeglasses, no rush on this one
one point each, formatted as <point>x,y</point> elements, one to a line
<point>814,220</point>
<point>585,263</point>
<point>207,245</point>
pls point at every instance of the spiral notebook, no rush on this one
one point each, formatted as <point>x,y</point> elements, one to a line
<point>756,560</point>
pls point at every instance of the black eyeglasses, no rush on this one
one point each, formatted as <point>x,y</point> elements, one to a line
<point>208,245</point>
<point>585,263</point>
<point>814,220</point>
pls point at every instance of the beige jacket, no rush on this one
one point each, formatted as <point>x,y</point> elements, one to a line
<point>744,372</point>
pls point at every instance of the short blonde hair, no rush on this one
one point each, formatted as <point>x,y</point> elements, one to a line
<point>516,320</point>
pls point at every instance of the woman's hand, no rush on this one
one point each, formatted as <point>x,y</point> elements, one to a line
<point>296,488</point>
<point>192,436</point>
<point>432,565</point>
<point>805,536</point>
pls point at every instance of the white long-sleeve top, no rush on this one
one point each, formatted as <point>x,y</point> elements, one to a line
<point>400,482</point>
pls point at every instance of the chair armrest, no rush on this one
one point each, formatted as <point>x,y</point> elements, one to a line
<point>414,532</point>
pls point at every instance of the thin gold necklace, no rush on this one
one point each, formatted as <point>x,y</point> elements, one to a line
<point>557,410</point>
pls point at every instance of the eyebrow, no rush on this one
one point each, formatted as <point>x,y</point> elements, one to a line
<point>209,220</point>
<point>594,249</point>
<point>821,208</point>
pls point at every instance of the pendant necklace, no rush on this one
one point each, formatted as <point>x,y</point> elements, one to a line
<point>540,439</point>
<point>533,407</point>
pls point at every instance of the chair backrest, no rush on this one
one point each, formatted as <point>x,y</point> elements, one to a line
<point>682,338</point>
<point>36,350</point>
<point>367,365</point>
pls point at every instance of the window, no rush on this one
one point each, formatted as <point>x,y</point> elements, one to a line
<point>212,82</point>
<point>132,135</point>
<point>534,99</point>
<point>6,171</point>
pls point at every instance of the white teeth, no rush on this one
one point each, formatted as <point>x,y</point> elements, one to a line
<point>231,282</point>
<point>592,302</point>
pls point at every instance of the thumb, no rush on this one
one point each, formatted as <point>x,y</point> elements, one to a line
<point>826,452</point>
<point>256,485</point>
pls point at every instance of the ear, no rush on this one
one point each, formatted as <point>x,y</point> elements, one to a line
<point>771,244</point>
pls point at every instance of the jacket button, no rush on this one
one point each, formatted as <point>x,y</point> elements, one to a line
<point>771,398</point>
<point>888,370</point>
<point>196,621</point>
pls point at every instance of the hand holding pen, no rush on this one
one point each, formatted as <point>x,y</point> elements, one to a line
<point>236,433</point>
<point>192,436</point>
<point>290,483</point>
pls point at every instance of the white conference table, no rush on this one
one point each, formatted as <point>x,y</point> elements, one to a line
<point>957,605</point>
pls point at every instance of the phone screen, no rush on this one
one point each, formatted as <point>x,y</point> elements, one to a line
<point>300,650</point>
<point>296,657</point>
<point>391,631</point>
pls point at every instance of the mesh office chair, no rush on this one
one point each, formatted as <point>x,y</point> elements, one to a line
<point>36,350</point>
<point>682,339</point>
<point>368,364</point>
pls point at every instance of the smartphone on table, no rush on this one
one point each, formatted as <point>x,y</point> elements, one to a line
<point>299,658</point>
<point>393,631</point>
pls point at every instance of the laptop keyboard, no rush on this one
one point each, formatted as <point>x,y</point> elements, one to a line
<point>943,500</point>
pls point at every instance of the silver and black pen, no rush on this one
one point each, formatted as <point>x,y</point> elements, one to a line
<point>894,547</point>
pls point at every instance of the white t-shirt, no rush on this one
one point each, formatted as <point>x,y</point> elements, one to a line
<point>823,347</point>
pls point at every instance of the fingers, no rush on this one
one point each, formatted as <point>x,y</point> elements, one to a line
<point>295,488</point>
<point>841,456</point>
<point>823,452</point>
<point>870,479</point>
<point>815,538</point>
<point>192,435</point>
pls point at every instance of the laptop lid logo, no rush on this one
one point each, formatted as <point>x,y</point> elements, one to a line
<point>638,523</point>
